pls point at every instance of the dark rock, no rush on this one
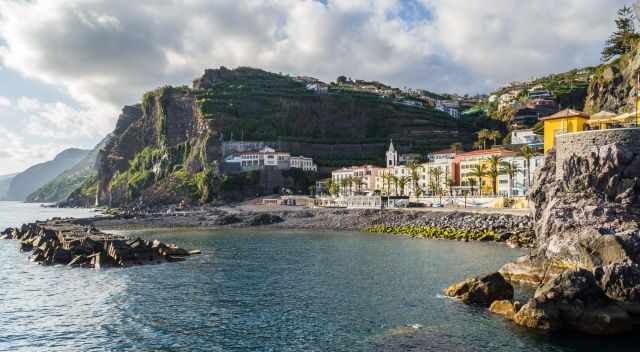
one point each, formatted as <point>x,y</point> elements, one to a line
<point>264,219</point>
<point>574,301</point>
<point>482,291</point>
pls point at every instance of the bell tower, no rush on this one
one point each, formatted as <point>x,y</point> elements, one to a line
<point>392,156</point>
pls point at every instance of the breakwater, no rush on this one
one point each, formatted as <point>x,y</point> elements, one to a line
<point>65,242</point>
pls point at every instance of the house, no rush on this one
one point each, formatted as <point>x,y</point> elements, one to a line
<point>524,118</point>
<point>527,137</point>
<point>451,107</point>
<point>304,163</point>
<point>539,92</point>
<point>318,87</point>
<point>464,165</point>
<point>356,179</point>
<point>265,158</point>
<point>565,121</point>
<point>442,154</point>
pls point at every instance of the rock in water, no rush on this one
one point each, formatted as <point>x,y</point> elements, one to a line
<point>574,301</point>
<point>482,291</point>
<point>506,308</point>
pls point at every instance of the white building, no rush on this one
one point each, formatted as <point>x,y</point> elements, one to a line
<point>365,174</point>
<point>526,137</point>
<point>301,162</point>
<point>450,107</point>
<point>266,157</point>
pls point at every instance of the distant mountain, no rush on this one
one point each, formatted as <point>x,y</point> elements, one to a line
<point>5,181</point>
<point>64,184</point>
<point>38,175</point>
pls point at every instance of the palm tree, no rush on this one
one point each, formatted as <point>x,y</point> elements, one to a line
<point>395,180</point>
<point>494,172</point>
<point>436,173</point>
<point>386,178</point>
<point>527,154</point>
<point>413,167</point>
<point>472,183</point>
<point>450,185</point>
<point>402,182</point>
<point>483,135</point>
<point>511,170</point>
<point>457,147</point>
<point>333,187</point>
<point>345,185</point>
<point>478,171</point>
<point>357,181</point>
<point>494,135</point>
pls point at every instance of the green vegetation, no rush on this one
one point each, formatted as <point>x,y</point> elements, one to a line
<point>435,232</point>
<point>253,104</point>
<point>624,39</point>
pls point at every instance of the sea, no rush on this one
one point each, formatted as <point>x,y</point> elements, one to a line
<point>264,290</point>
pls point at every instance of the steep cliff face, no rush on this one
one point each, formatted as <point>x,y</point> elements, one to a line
<point>614,86</point>
<point>168,148</point>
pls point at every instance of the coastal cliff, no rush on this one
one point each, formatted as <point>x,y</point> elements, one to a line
<point>168,148</point>
<point>586,210</point>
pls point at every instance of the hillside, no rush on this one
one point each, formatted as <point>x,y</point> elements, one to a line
<point>613,87</point>
<point>168,148</point>
<point>38,175</point>
<point>64,184</point>
<point>5,182</point>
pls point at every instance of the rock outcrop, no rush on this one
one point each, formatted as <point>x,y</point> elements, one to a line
<point>64,242</point>
<point>482,291</point>
<point>586,210</point>
<point>574,301</point>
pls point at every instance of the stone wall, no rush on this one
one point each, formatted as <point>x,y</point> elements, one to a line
<point>584,143</point>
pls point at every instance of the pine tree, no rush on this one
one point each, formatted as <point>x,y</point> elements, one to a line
<point>625,36</point>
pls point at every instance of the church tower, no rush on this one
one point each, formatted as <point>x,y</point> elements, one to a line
<point>392,156</point>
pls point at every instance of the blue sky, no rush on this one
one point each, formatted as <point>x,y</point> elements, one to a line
<point>68,66</point>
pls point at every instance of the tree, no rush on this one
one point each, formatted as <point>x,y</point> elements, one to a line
<point>483,136</point>
<point>450,185</point>
<point>413,167</point>
<point>511,170</point>
<point>494,172</point>
<point>494,135</point>
<point>341,79</point>
<point>457,147</point>
<point>527,154</point>
<point>345,185</point>
<point>386,179</point>
<point>333,188</point>
<point>395,181</point>
<point>402,182</point>
<point>357,181</point>
<point>478,171</point>
<point>472,183</point>
<point>624,38</point>
<point>436,173</point>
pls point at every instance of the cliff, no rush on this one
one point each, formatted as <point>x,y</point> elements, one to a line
<point>586,209</point>
<point>614,85</point>
<point>38,175</point>
<point>168,148</point>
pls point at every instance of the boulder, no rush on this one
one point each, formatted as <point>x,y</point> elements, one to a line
<point>264,219</point>
<point>574,301</point>
<point>621,283</point>
<point>506,308</point>
<point>482,291</point>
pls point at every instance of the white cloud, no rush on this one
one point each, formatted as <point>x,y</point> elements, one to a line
<point>19,153</point>
<point>112,51</point>
<point>4,102</point>
<point>108,53</point>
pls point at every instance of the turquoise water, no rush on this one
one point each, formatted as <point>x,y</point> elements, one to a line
<point>264,290</point>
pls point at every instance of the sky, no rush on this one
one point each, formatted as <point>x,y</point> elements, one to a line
<point>68,66</point>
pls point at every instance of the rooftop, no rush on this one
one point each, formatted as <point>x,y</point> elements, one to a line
<point>566,113</point>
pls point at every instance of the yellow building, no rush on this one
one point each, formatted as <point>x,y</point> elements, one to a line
<point>565,121</point>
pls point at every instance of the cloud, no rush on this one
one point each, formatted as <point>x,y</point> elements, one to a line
<point>19,153</point>
<point>4,102</point>
<point>112,51</point>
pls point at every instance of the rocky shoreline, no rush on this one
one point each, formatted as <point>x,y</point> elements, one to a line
<point>586,258</point>
<point>513,229</point>
<point>69,242</point>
